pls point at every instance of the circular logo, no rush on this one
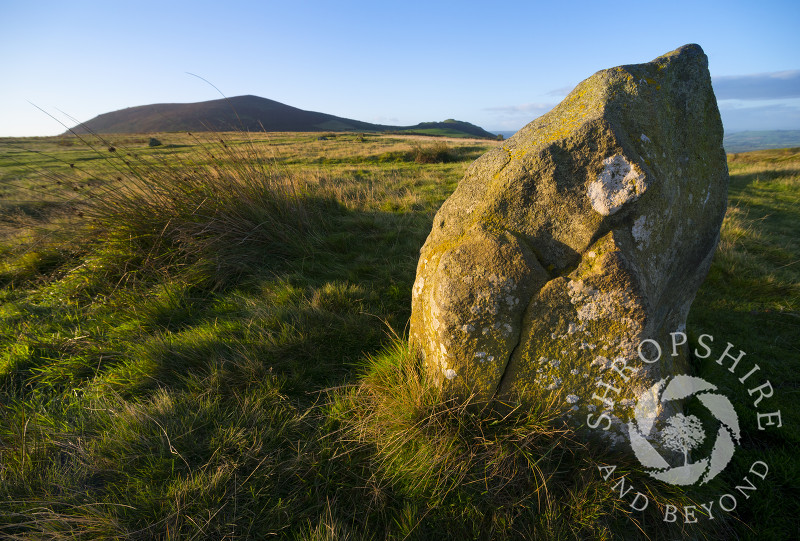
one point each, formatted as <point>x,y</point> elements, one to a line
<point>681,433</point>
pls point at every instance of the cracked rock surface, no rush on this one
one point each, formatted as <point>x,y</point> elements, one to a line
<point>588,231</point>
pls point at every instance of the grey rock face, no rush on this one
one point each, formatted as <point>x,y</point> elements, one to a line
<point>585,233</point>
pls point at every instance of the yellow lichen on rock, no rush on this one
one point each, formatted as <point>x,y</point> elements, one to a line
<point>583,234</point>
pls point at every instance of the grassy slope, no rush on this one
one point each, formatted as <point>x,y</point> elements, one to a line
<point>751,299</point>
<point>155,389</point>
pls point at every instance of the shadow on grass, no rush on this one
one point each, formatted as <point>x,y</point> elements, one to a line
<point>307,311</point>
<point>309,317</point>
<point>770,340</point>
<point>746,179</point>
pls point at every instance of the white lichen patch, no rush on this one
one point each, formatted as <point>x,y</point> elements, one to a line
<point>619,182</point>
<point>572,398</point>
<point>640,232</point>
<point>592,304</point>
<point>578,291</point>
<point>418,286</point>
<point>555,385</point>
<point>484,357</point>
<point>601,362</point>
<point>506,284</point>
<point>450,373</point>
<point>644,138</point>
<point>603,305</point>
<point>573,328</point>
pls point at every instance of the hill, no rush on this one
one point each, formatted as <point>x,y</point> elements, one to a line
<point>253,113</point>
<point>747,141</point>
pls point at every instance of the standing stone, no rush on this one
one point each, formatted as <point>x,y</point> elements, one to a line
<point>585,233</point>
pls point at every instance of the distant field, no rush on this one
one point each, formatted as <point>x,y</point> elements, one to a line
<point>748,141</point>
<point>206,340</point>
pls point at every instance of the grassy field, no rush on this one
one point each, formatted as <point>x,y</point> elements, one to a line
<point>206,340</point>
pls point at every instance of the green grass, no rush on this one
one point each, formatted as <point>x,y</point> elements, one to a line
<point>207,343</point>
<point>751,299</point>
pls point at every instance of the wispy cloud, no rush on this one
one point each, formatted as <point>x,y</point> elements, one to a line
<point>758,86</point>
<point>513,117</point>
<point>759,101</point>
<point>560,92</point>
<point>743,115</point>
<point>525,108</point>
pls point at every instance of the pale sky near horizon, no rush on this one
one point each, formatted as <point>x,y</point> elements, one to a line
<point>496,64</point>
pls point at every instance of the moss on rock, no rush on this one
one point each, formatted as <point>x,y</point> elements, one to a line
<point>598,220</point>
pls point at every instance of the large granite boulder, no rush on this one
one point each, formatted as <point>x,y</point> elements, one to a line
<point>585,233</point>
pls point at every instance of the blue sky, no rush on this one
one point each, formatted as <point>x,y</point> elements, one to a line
<point>495,64</point>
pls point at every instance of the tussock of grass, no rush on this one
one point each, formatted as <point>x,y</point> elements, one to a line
<point>483,472</point>
<point>439,152</point>
<point>226,207</point>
